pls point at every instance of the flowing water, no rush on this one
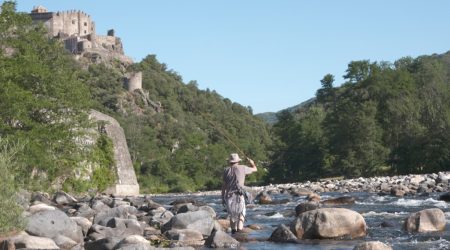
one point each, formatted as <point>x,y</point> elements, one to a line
<point>374,208</point>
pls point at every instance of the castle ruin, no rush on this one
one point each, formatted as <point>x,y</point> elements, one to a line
<point>77,30</point>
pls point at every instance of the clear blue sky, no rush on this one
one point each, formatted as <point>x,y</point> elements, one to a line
<point>269,55</point>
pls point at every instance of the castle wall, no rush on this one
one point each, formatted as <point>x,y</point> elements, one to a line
<point>68,23</point>
<point>110,43</point>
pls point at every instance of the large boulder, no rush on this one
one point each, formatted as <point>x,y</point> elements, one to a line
<point>428,220</point>
<point>372,245</point>
<point>23,240</point>
<point>220,239</point>
<point>282,234</point>
<point>199,220</point>
<point>53,223</point>
<point>329,223</point>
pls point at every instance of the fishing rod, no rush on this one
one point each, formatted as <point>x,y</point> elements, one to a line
<point>224,135</point>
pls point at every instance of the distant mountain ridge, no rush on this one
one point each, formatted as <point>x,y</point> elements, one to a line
<point>271,117</point>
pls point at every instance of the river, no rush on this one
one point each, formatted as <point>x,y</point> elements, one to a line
<point>374,208</point>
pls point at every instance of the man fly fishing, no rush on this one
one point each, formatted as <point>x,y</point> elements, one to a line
<point>232,190</point>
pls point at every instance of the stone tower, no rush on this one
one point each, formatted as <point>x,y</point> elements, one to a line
<point>134,81</point>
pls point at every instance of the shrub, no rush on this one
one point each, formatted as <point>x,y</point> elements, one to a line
<point>10,211</point>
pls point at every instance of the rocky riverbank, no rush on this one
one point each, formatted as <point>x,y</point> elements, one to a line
<point>395,185</point>
<point>61,221</point>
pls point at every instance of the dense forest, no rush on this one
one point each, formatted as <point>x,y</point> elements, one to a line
<point>385,119</point>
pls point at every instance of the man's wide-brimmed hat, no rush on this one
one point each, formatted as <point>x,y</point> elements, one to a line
<point>234,158</point>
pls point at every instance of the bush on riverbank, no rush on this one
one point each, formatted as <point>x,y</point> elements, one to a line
<point>10,211</point>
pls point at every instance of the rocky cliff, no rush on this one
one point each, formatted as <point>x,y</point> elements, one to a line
<point>126,182</point>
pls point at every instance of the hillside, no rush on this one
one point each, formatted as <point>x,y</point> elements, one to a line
<point>179,136</point>
<point>271,117</point>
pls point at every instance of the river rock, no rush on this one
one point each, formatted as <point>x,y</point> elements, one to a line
<point>416,179</point>
<point>188,200</point>
<point>23,240</point>
<point>185,237</point>
<point>265,198</point>
<point>372,245</point>
<point>63,198</point>
<point>313,197</point>
<point>300,191</point>
<point>199,220</point>
<point>208,209</point>
<point>220,239</point>
<point>123,212</point>
<point>41,197</point>
<point>256,226</point>
<point>97,232</point>
<point>443,178</point>
<point>103,244</point>
<point>99,206</point>
<point>160,216</point>
<point>83,223</point>
<point>329,223</point>
<point>119,202</point>
<point>387,223</point>
<point>52,223</point>
<point>126,226</point>
<point>224,223</point>
<point>427,220</point>
<point>133,242</point>
<point>40,208</point>
<point>397,191</point>
<point>184,208</point>
<point>136,201</point>
<point>306,206</point>
<point>282,234</point>
<point>345,200</point>
<point>64,242</point>
<point>85,211</point>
